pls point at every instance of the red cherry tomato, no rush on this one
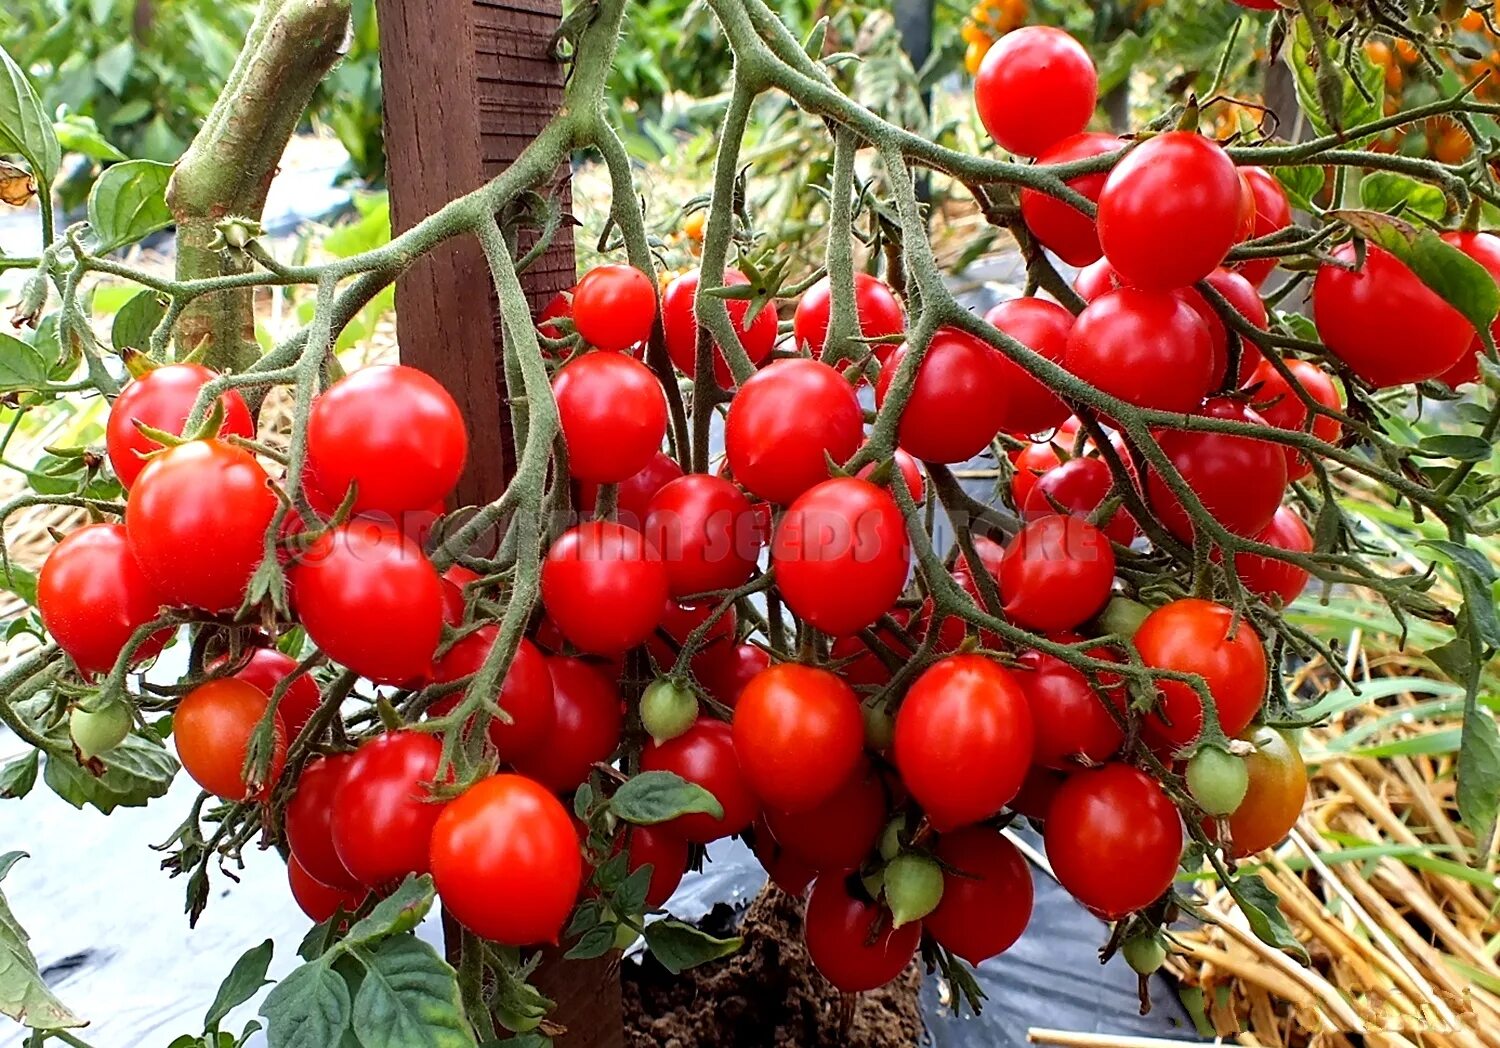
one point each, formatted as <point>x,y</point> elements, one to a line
<point>316,899</point>
<point>1036,86</point>
<point>786,423</point>
<point>1067,232</point>
<point>987,894</point>
<point>1056,574</point>
<point>587,720</point>
<point>1277,402</point>
<point>372,600</point>
<point>911,475</point>
<point>963,740</point>
<point>383,810</point>
<point>665,853</point>
<point>309,814</point>
<point>506,861</point>
<point>267,668</point>
<point>955,406</point>
<point>842,831</point>
<point>875,306</point>
<point>635,492</point>
<point>786,871</point>
<point>93,597</point>
<point>614,415</point>
<point>604,586</point>
<point>212,728</point>
<point>1080,486</point>
<point>1260,5</point>
<point>798,734</point>
<point>197,520</point>
<point>1483,248</point>
<point>1037,791</point>
<point>705,754</point>
<point>706,533</point>
<point>1193,636</point>
<point>680,326</point>
<point>1239,480</point>
<point>1096,279</point>
<point>1272,804</point>
<point>1146,347</point>
<point>1029,465</point>
<point>724,670</point>
<point>1240,294</point>
<point>525,694</point>
<point>162,399</point>
<point>614,306</point>
<point>558,306</point>
<point>1272,212</point>
<point>1170,211</point>
<point>1276,578</point>
<point>851,941</point>
<point>841,555</point>
<point>1026,404</point>
<point>391,430</point>
<point>1113,838</point>
<point>1072,726</point>
<point>1383,322</point>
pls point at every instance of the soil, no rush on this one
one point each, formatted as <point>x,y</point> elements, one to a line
<point>768,995</point>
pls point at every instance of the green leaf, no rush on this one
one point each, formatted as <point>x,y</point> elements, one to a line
<point>136,320</point>
<point>595,942</point>
<point>24,127</point>
<point>129,203</point>
<point>136,771</point>
<point>19,776</point>
<point>1460,446</point>
<point>1351,106</point>
<point>18,580</point>
<point>680,946</point>
<point>112,67</point>
<point>1115,65</point>
<point>1262,909</point>
<point>79,134</point>
<point>23,995</point>
<point>21,366</point>
<point>1458,279</point>
<point>310,1008</point>
<point>659,796</point>
<point>1479,775</point>
<point>242,983</point>
<point>409,998</point>
<point>398,912</point>
<point>1302,184</point>
<point>1386,190</point>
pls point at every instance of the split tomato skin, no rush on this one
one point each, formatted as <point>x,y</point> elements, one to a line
<point>93,596</point>
<point>1193,636</point>
<point>383,810</point>
<point>163,398</point>
<point>843,942</point>
<point>798,735</point>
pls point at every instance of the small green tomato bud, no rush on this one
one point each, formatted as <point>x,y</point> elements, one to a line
<point>880,727</point>
<point>98,732</point>
<point>1144,953</point>
<point>667,710</point>
<point>1123,616</point>
<point>1217,780</point>
<point>913,887</point>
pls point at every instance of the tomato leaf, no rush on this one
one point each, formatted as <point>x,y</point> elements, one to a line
<point>136,771</point>
<point>18,580</point>
<point>1465,447</point>
<point>1386,190</point>
<point>398,912</point>
<point>659,796</point>
<point>1262,909</point>
<point>1326,91</point>
<point>23,995</point>
<point>19,776</point>
<point>129,203</point>
<point>408,998</point>
<point>680,946</point>
<point>80,134</point>
<point>21,366</point>
<point>24,127</point>
<point>310,1008</point>
<point>136,320</point>
<point>242,983</point>
<point>595,942</point>
<point>1479,774</point>
<point>1301,184</point>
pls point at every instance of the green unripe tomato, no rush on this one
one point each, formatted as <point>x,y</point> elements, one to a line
<point>1123,616</point>
<point>667,710</point>
<point>880,727</point>
<point>98,732</point>
<point>625,937</point>
<point>515,1021</point>
<point>913,887</point>
<point>1217,780</point>
<point>1144,953</point>
<point>890,839</point>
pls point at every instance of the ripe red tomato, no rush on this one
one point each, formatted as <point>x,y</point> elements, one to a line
<point>317,900</point>
<point>955,406</point>
<point>1272,804</point>
<point>786,871</point>
<point>1240,294</point>
<point>1272,212</point>
<point>875,306</point>
<point>798,734</point>
<point>558,306</point>
<point>1146,347</point>
<point>212,727</point>
<point>1067,232</point>
<point>786,423</point>
<point>1072,726</point>
<point>841,555</point>
<point>383,810</point>
<point>635,492</point>
<point>665,853</point>
<point>1036,86</point>
<point>1193,636</point>
<point>724,670</point>
<point>1030,464</point>
<point>706,533</point>
<point>1026,404</point>
<point>1239,480</point>
<point>1383,322</point>
<point>506,861</point>
<point>391,430</point>
<point>309,815</point>
<point>963,740</point>
<point>1276,578</point>
<point>614,306</point>
<point>604,586</point>
<point>842,831</point>
<point>1114,838</point>
<point>267,668</point>
<point>1080,486</point>
<point>1037,791</point>
<point>197,520</point>
<point>93,596</point>
<point>614,415</point>
<point>588,717</point>
<point>863,665</point>
<point>705,754</point>
<point>1275,401</point>
<point>163,398</point>
<point>1056,573</point>
<point>525,694</point>
<point>987,894</point>
<point>372,600</point>
<point>851,941</point>
<point>680,326</point>
<point>1170,211</point>
<point>678,621</point>
<point>911,475</point>
<point>1095,279</point>
<point>1483,248</point>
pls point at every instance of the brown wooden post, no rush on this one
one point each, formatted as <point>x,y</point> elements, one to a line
<point>468,83</point>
